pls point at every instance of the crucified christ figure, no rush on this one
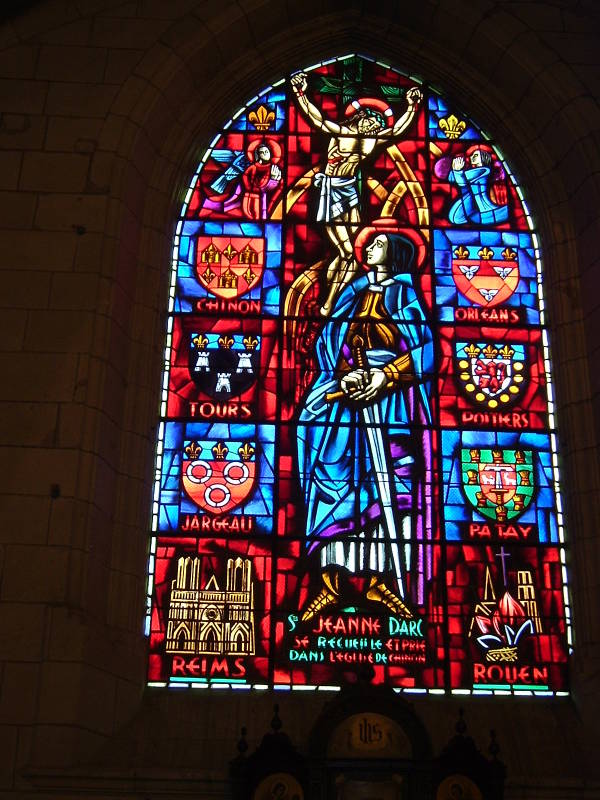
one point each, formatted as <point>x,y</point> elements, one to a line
<point>365,132</point>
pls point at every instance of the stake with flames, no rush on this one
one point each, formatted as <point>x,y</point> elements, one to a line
<point>502,622</point>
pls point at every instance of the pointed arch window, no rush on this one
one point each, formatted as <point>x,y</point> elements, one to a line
<point>357,401</point>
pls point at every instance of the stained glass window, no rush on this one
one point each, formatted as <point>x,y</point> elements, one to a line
<point>357,471</point>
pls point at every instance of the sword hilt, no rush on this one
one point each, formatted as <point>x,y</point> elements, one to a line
<point>360,359</point>
<point>331,397</point>
<point>359,353</point>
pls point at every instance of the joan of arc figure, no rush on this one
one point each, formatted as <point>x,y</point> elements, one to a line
<point>363,451</point>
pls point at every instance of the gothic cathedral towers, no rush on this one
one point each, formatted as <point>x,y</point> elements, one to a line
<point>209,620</point>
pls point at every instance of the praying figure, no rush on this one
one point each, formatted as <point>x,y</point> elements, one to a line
<point>483,199</point>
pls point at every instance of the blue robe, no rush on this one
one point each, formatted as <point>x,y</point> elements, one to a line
<point>475,205</point>
<point>336,470</point>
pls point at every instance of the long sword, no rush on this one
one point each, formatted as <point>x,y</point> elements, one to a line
<point>372,420</point>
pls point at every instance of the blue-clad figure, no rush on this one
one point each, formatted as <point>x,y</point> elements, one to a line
<point>473,176</point>
<point>363,440</point>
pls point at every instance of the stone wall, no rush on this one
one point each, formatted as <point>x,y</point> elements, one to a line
<point>105,109</point>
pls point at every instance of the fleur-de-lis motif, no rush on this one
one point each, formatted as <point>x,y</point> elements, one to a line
<point>461,252</point>
<point>508,254</point>
<point>226,342</point>
<point>200,341</point>
<point>485,253</point>
<point>230,252</point>
<point>507,351</point>
<point>208,275</point>
<point>452,127</point>
<point>246,451</point>
<point>220,451</point>
<point>262,118</point>
<point>490,351</point>
<point>472,350</point>
<point>193,450</point>
<point>250,342</point>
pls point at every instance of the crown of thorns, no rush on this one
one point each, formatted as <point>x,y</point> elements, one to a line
<point>371,112</point>
<point>373,107</point>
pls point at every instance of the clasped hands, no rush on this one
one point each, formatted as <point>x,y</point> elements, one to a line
<point>365,385</point>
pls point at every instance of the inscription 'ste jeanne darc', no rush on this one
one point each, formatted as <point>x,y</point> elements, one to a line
<point>357,469</point>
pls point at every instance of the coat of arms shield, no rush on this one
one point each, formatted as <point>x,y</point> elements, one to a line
<point>491,374</point>
<point>229,266</point>
<point>485,280</point>
<point>216,476</point>
<point>224,365</point>
<point>499,483</point>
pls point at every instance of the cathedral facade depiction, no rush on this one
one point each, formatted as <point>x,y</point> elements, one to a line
<point>152,607</point>
<point>207,619</point>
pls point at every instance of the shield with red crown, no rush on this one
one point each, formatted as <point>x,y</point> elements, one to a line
<point>218,476</point>
<point>485,277</point>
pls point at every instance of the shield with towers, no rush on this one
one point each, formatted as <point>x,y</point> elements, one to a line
<point>229,266</point>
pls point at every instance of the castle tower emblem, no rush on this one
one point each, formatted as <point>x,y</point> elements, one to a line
<point>224,366</point>
<point>229,266</point>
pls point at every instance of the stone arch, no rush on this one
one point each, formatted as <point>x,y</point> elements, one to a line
<point>238,638</point>
<point>210,638</point>
<point>160,119</point>
<point>546,188</point>
<point>181,637</point>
